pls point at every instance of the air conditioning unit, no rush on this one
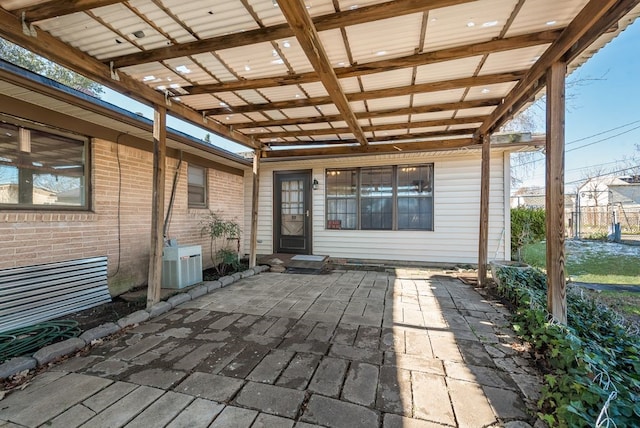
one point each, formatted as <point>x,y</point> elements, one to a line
<point>181,266</point>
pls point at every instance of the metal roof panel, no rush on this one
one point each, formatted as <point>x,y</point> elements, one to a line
<point>466,23</point>
<point>371,41</point>
<point>388,79</point>
<point>447,70</point>
<point>450,96</point>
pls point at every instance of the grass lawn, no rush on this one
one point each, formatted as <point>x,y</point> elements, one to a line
<point>599,262</point>
<point>626,303</point>
<point>593,261</point>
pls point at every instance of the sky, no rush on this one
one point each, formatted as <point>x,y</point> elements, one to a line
<point>127,103</point>
<point>602,124</point>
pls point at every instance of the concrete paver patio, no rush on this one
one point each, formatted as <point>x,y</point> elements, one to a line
<point>410,348</point>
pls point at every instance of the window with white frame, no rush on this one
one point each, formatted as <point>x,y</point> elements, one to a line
<point>415,197</point>
<point>197,186</point>
<point>342,199</point>
<point>380,198</point>
<point>42,168</point>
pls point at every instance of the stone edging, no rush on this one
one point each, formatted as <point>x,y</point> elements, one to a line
<point>69,346</point>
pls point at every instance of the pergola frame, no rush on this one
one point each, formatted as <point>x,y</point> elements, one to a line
<point>342,132</point>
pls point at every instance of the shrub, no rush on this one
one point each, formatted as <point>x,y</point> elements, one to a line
<point>592,366</point>
<point>597,236</point>
<point>527,227</point>
<point>221,233</point>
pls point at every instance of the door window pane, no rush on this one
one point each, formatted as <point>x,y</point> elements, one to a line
<point>292,207</point>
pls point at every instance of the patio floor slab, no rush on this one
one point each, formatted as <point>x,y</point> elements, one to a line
<point>409,347</point>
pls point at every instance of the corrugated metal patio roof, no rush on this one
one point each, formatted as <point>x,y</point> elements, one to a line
<point>336,75</point>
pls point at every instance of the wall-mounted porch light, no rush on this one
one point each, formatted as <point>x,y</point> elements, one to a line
<point>315,184</point>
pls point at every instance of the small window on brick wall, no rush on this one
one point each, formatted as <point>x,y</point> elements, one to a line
<point>42,168</point>
<point>197,186</point>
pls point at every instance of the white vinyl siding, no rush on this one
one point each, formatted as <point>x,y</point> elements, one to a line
<point>456,204</point>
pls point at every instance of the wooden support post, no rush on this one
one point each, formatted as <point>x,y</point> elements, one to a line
<point>484,210</point>
<point>556,292</point>
<point>254,209</point>
<point>157,205</point>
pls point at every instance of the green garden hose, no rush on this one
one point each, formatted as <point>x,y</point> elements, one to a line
<point>27,340</point>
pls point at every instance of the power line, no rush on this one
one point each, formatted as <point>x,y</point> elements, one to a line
<point>604,175</point>
<point>594,142</point>
<point>603,132</point>
<point>593,166</point>
<point>604,139</point>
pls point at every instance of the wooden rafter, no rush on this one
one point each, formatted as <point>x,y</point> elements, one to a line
<point>374,148</point>
<point>54,8</point>
<point>380,139</point>
<point>385,127</point>
<point>55,50</point>
<point>465,82</point>
<point>330,21</point>
<point>609,20</point>
<point>460,52</point>
<point>298,18</point>
<point>432,108</point>
<point>588,17</point>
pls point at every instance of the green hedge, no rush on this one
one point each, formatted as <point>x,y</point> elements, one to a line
<point>527,226</point>
<point>585,362</point>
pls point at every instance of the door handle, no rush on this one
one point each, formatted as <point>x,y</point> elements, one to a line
<point>307,213</point>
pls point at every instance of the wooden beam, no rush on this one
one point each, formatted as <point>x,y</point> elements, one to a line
<point>432,108</point>
<point>57,51</point>
<point>253,247</point>
<point>485,178</point>
<point>297,16</point>
<point>460,52</point>
<point>442,85</point>
<point>406,137</point>
<point>420,146</point>
<point>154,283</point>
<point>423,88</point>
<point>556,286</point>
<point>376,128</point>
<point>581,24</point>
<point>330,21</point>
<point>54,8</point>
<point>609,20</point>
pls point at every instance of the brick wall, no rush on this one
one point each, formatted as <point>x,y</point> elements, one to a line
<point>122,235</point>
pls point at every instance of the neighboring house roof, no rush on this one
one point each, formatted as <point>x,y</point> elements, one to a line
<point>610,190</point>
<point>631,179</point>
<point>529,201</point>
<point>538,201</point>
<point>625,192</point>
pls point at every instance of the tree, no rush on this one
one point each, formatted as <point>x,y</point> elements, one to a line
<point>24,58</point>
<point>533,119</point>
<point>529,120</point>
